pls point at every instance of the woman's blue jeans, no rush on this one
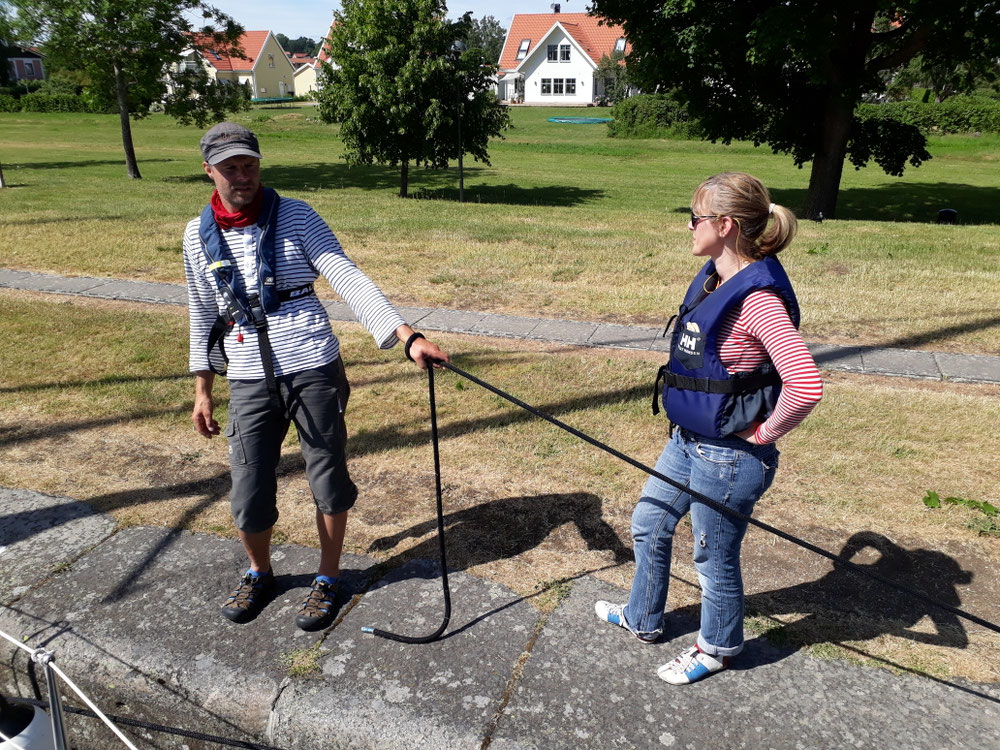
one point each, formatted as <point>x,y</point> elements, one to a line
<point>730,471</point>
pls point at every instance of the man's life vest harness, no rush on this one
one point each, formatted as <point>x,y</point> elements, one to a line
<point>244,307</point>
<point>699,394</point>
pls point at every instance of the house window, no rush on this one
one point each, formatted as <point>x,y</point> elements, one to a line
<point>571,86</point>
<point>563,53</point>
<point>546,85</point>
<point>270,61</point>
<point>553,50</point>
<point>29,69</point>
<point>519,86</point>
<point>620,44</point>
<point>522,51</point>
<point>557,85</point>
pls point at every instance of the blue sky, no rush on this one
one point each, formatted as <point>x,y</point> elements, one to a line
<point>311,18</point>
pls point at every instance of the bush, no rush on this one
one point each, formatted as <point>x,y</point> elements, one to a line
<point>9,104</point>
<point>652,116</point>
<point>959,114</point>
<point>53,103</point>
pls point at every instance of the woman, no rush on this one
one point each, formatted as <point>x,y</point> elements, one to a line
<point>738,378</point>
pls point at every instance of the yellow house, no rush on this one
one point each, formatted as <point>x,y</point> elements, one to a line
<point>306,73</point>
<point>267,69</point>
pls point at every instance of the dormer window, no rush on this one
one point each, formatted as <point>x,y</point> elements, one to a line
<point>522,51</point>
<point>620,44</point>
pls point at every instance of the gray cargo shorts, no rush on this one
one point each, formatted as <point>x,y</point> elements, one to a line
<point>315,401</point>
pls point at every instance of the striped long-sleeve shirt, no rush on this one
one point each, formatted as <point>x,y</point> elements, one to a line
<point>299,331</point>
<point>760,330</point>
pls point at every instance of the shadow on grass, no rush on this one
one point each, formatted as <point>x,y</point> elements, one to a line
<point>473,534</point>
<point>82,163</point>
<point>906,201</point>
<point>424,184</point>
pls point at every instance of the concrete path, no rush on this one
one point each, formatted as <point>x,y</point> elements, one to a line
<point>968,368</point>
<point>132,616</point>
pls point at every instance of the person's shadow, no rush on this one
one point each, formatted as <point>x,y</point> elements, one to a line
<point>846,606</point>
<point>504,528</point>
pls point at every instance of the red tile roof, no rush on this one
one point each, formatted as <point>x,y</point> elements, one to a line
<point>596,40</point>
<point>252,42</point>
<point>324,49</point>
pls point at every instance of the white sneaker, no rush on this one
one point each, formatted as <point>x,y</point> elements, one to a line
<point>691,666</point>
<point>615,614</point>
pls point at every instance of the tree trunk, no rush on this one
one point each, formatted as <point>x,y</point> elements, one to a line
<point>828,164</point>
<point>2,183</point>
<point>123,114</point>
<point>404,178</point>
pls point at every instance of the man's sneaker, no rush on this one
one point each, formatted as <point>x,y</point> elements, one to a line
<point>615,614</point>
<point>691,666</point>
<point>317,610</point>
<point>249,597</point>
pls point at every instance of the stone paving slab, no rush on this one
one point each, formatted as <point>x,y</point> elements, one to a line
<point>590,684</point>
<point>566,331</point>
<point>40,282</point>
<point>136,624</point>
<point>829,357</point>
<point>456,321</point>
<point>968,367</point>
<point>507,326</point>
<point>623,337</point>
<point>12,278</point>
<point>901,362</point>
<point>41,533</point>
<point>377,693</point>
<point>141,291</point>
<point>339,311</point>
<point>415,315</point>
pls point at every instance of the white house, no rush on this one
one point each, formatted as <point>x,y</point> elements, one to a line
<point>551,58</point>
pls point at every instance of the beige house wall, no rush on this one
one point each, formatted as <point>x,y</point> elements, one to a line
<point>274,75</point>
<point>305,80</point>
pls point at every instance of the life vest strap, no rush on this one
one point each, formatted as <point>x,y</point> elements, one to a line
<point>740,382</point>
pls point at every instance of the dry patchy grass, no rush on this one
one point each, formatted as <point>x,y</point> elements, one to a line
<point>105,419</point>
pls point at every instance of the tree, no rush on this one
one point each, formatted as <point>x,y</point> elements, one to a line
<point>790,73</point>
<point>486,34</point>
<point>614,73</point>
<point>127,48</point>
<point>399,92</point>
<point>5,38</point>
<point>303,44</point>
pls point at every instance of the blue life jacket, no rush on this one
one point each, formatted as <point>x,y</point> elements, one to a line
<point>698,393</point>
<point>243,307</point>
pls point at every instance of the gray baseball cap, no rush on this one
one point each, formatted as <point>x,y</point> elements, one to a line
<point>228,139</point>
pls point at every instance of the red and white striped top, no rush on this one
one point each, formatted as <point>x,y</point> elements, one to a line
<point>760,330</point>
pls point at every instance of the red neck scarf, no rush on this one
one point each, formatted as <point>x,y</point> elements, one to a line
<point>244,218</point>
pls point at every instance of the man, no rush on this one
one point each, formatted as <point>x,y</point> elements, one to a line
<point>250,262</point>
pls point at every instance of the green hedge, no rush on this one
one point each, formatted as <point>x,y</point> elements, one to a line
<point>9,104</point>
<point>53,103</point>
<point>959,114</point>
<point>652,116</point>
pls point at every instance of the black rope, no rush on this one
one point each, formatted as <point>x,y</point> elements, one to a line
<point>137,723</point>
<point>697,496</point>
<point>440,527</point>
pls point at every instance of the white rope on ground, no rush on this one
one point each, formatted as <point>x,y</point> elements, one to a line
<point>41,656</point>
<point>93,707</point>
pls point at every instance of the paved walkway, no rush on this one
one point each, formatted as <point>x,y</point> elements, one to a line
<point>969,368</point>
<point>132,616</point>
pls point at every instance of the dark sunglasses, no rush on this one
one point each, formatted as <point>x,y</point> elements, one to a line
<point>695,218</point>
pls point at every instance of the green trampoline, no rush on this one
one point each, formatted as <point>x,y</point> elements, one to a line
<point>580,120</point>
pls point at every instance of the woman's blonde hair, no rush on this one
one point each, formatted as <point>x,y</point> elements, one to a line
<point>744,198</point>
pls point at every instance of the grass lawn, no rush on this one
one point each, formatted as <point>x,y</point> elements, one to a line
<point>565,223</point>
<point>95,398</point>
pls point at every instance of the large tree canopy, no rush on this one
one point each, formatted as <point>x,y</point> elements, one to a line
<point>126,47</point>
<point>789,73</point>
<point>400,90</point>
<point>486,34</point>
